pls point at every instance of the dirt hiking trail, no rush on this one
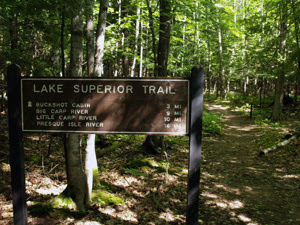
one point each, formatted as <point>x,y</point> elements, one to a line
<point>240,187</point>
<point>237,185</point>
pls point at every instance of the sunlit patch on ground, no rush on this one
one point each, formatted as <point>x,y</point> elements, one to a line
<point>42,185</point>
<point>5,209</point>
<point>126,214</point>
<point>209,195</point>
<point>169,216</point>
<point>237,186</point>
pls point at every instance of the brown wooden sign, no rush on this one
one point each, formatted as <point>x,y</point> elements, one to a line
<point>132,106</point>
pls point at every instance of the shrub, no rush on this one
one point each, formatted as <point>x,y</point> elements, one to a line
<point>212,123</point>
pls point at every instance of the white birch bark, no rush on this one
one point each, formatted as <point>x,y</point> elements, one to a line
<point>137,31</point>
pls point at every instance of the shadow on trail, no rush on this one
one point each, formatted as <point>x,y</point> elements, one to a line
<point>238,186</point>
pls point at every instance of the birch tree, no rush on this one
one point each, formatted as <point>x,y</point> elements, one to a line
<point>137,32</point>
<point>100,36</point>
<point>221,80</point>
<point>91,167</point>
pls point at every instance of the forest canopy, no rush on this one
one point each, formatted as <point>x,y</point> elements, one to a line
<point>240,40</point>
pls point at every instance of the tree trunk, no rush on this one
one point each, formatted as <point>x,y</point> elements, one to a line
<point>297,78</point>
<point>77,181</point>
<point>117,57</point>
<point>137,31</point>
<point>90,37</point>
<point>62,40</point>
<point>91,167</point>
<point>278,98</point>
<point>164,37</point>
<point>100,36</point>
<point>151,24</point>
<point>155,143</point>
<point>208,41</point>
<point>125,39</point>
<point>14,31</point>
<point>141,55</point>
<point>221,80</point>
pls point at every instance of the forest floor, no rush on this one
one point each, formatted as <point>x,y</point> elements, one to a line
<point>237,185</point>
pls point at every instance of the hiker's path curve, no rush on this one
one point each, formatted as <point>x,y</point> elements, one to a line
<point>241,186</point>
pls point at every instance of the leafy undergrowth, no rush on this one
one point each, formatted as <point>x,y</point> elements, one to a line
<point>212,123</point>
<point>237,186</point>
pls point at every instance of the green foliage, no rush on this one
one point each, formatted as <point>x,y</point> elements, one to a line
<point>212,123</point>
<point>236,99</point>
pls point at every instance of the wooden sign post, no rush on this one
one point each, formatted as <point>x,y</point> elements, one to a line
<point>16,145</point>
<point>104,106</point>
<point>196,102</point>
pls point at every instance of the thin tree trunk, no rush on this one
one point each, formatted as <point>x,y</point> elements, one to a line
<point>164,37</point>
<point>137,31</point>
<point>90,37</point>
<point>297,79</point>
<point>77,181</point>
<point>117,58</point>
<point>141,55</point>
<point>209,73</point>
<point>62,40</point>
<point>221,81</point>
<point>14,31</point>
<point>91,167</point>
<point>155,142</point>
<point>151,24</point>
<point>100,36</point>
<point>278,98</point>
<point>125,39</point>
<point>183,42</point>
